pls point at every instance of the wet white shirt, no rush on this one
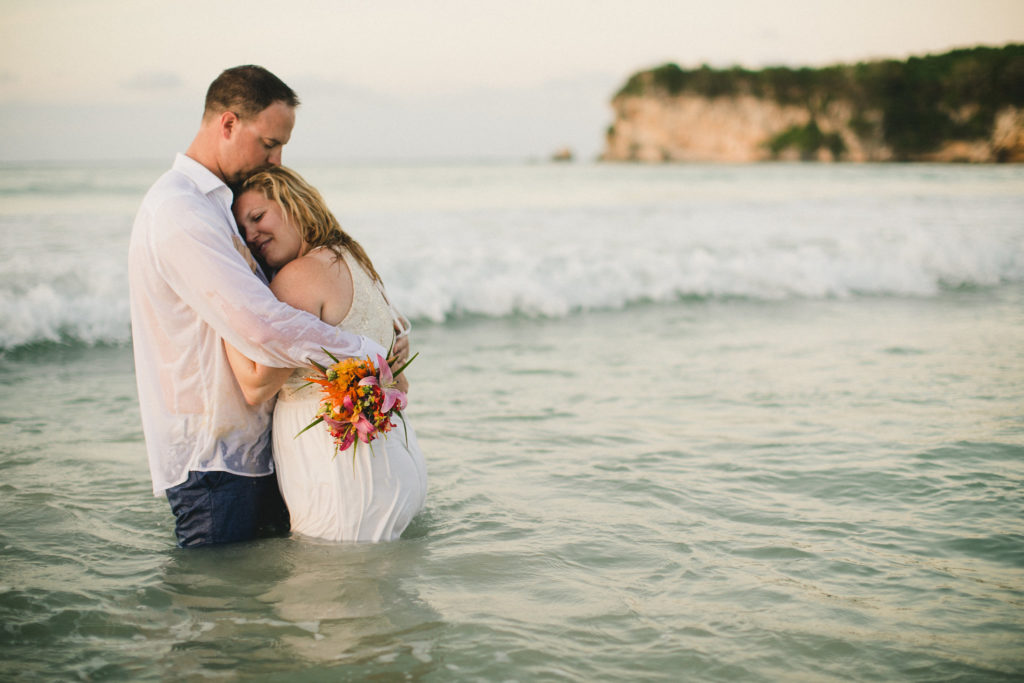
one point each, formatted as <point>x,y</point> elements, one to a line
<point>191,288</point>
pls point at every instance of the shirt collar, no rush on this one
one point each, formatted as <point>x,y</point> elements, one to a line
<point>203,177</point>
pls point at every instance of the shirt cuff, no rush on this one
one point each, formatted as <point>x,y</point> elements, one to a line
<point>372,349</point>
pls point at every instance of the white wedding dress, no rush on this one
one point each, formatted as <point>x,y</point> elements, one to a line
<point>328,496</point>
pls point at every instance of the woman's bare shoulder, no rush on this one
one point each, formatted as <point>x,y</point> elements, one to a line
<point>303,282</point>
<point>317,282</point>
<point>309,265</point>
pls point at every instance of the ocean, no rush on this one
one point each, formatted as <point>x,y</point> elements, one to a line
<point>682,422</point>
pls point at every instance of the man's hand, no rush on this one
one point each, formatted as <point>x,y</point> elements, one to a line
<point>399,353</point>
<point>402,383</point>
<point>399,356</point>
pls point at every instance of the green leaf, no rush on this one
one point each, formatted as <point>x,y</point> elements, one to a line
<point>398,372</point>
<point>330,354</point>
<point>309,426</point>
<point>405,426</point>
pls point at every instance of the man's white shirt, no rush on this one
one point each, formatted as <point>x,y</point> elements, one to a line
<point>191,288</point>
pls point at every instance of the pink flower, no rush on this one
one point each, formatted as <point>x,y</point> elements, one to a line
<point>386,383</point>
<point>358,421</point>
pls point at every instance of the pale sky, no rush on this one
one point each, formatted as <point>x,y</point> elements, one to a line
<point>417,79</point>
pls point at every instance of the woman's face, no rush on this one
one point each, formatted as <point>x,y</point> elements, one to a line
<point>267,230</point>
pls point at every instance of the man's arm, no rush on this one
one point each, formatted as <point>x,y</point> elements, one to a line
<point>198,261</point>
<point>300,284</point>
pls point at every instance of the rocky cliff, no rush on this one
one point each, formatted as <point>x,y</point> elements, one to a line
<point>972,110</point>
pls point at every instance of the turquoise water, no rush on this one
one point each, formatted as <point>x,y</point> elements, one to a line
<point>782,441</point>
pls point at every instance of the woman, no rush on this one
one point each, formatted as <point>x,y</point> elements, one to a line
<point>320,269</point>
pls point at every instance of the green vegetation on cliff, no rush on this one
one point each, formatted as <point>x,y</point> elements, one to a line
<point>807,140</point>
<point>924,101</point>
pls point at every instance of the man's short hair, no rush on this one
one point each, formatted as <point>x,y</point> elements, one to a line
<point>246,91</point>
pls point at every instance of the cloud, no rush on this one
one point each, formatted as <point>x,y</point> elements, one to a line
<point>152,80</point>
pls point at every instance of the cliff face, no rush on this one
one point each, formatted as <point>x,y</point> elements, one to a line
<point>744,128</point>
<point>964,105</point>
<point>1008,135</point>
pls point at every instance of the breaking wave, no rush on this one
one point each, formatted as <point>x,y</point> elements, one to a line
<point>565,264</point>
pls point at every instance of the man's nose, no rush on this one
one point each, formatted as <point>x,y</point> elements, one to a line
<point>275,157</point>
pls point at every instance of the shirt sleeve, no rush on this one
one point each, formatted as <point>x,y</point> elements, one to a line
<point>199,262</point>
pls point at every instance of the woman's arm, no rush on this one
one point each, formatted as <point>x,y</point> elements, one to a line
<point>297,284</point>
<point>258,382</point>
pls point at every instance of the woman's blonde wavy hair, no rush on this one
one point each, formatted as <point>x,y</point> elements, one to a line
<point>306,209</point>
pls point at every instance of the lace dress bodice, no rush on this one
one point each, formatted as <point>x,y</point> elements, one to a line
<point>370,316</point>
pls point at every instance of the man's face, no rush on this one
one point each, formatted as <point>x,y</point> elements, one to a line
<point>256,143</point>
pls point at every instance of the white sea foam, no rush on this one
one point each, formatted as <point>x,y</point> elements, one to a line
<point>60,290</point>
<point>554,263</point>
<point>610,243</point>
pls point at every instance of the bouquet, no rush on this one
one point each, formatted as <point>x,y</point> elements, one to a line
<point>358,401</point>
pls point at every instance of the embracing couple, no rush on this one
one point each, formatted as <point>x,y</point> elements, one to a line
<point>214,344</point>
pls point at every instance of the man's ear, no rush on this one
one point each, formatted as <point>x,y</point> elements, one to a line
<point>228,124</point>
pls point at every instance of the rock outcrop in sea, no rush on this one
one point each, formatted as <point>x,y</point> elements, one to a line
<point>963,106</point>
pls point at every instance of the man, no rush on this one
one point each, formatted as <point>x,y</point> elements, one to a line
<point>193,285</point>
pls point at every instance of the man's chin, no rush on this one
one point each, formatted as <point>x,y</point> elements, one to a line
<point>235,180</point>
